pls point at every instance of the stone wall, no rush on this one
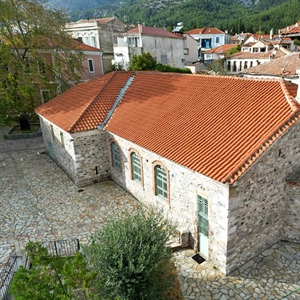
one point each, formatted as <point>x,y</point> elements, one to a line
<point>84,156</point>
<point>261,207</point>
<point>181,207</point>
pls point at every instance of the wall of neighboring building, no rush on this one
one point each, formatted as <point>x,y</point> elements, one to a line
<point>97,70</point>
<point>163,48</point>
<point>235,65</point>
<point>261,207</point>
<point>190,49</point>
<point>181,205</point>
<point>83,156</point>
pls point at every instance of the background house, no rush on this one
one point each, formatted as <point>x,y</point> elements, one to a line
<point>165,46</point>
<point>98,33</point>
<point>217,53</point>
<point>219,162</point>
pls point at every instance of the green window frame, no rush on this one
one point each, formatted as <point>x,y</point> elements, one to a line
<point>135,167</point>
<point>115,156</point>
<point>161,182</point>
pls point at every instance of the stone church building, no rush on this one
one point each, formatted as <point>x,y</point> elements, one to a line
<point>219,155</point>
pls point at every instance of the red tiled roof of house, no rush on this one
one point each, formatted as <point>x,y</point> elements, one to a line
<point>217,126</point>
<point>259,55</point>
<point>221,49</point>
<point>86,105</point>
<point>292,29</point>
<point>84,47</point>
<point>153,31</point>
<point>194,31</point>
<point>211,30</point>
<point>214,125</point>
<point>284,66</point>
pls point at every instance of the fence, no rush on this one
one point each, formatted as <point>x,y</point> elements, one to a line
<point>55,248</point>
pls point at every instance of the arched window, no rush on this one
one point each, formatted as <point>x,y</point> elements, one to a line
<point>115,156</point>
<point>135,167</point>
<point>161,182</point>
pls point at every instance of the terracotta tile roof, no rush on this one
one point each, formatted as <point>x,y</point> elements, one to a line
<point>258,55</point>
<point>284,66</point>
<point>194,31</point>
<point>292,29</point>
<point>221,49</point>
<point>217,126</point>
<point>86,105</point>
<point>210,30</point>
<point>153,31</point>
<point>84,47</point>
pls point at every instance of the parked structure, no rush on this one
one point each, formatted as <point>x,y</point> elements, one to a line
<point>220,162</point>
<point>165,46</point>
<point>98,33</point>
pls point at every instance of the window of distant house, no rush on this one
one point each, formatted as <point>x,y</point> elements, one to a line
<point>91,65</point>
<point>93,41</point>
<point>234,67</point>
<point>86,40</point>
<point>135,167</point>
<point>45,95</point>
<point>186,51</point>
<point>161,182</point>
<point>116,163</point>
<point>263,49</point>
<point>62,139</point>
<point>217,40</point>
<point>164,59</point>
<point>133,41</point>
<point>251,64</point>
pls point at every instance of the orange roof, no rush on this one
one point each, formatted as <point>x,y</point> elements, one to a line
<point>84,47</point>
<point>194,31</point>
<point>283,66</point>
<point>205,30</point>
<point>214,125</point>
<point>153,31</point>
<point>86,105</point>
<point>258,55</point>
<point>221,49</point>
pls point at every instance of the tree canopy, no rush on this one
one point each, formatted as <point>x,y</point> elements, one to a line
<point>38,58</point>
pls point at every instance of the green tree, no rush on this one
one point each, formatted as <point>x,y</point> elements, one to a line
<point>143,62</point>
<point>52,277</point>
<point>131,258</point>
<point>36,54</point>
<point>234,50</point>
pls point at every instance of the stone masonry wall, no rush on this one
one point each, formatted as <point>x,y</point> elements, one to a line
<point>184,184</point>
<point>260,209</point>
<point>84,156</point>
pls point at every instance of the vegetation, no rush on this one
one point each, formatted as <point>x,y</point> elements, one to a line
<point>31,38</point>
<point>131,259</point>
<point>145,62</point>
<point>53,277</point>
<point>236,49</point>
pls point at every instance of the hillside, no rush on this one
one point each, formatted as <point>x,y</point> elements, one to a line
<point>232,15</point>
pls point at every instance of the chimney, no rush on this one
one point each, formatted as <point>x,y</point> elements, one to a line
<point>140,27</point>
<point>272,34</point>
<point>298,82</point>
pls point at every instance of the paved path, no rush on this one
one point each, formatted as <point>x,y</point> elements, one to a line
<point>39,202</point>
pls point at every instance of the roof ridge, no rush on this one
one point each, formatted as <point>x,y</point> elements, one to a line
<point>289,98</point>
<point>91,103</point>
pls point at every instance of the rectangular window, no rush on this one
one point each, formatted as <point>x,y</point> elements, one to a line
<point>93,41</point>
<point>217,40</point>
<point>91,65</point>
<point>133,41</point>
<point>135,167</point>
<point>62,139</point>
<point>115,156</point>
<point>86,40</point>
<point>161,184</point>
<point>52,133</point>
<point>164,59</point>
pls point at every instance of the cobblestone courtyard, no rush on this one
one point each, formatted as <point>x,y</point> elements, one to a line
<point>39,202</point>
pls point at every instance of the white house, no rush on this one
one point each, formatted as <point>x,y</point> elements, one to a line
<point>218,154</point>
<point>166,47</point>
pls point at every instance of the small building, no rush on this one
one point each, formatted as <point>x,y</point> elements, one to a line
<point>219,155</point>
<point>166,47</point>
<point>98,33</point>
<point>217,53</point>
<point>291,31</point>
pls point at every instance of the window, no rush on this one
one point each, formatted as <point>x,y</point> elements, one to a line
<point>186,51</point>
<point>133,41</point>
<point>164,59</point>
<point>217,40</point>
<point>45,94</point>
<point>42,67</point>
<point>135,167</point>
<point>86,40</point>
<point>91,65</point>
<point>161,183</point>
<point>62,139</point>
<point>93,41</point>
<point>52,133</point>
<point>115,156</point>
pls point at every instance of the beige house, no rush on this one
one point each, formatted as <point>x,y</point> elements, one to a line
<point>218,154</point>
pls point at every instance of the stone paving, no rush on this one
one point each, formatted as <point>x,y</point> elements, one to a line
<point>39,202</point>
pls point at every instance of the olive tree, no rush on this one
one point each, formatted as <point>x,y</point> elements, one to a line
<point>130,256</point>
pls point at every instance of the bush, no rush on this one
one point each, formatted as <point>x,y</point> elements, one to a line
<point>131,258</point>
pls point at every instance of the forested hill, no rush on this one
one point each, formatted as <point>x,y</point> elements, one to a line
<point>233,15</point>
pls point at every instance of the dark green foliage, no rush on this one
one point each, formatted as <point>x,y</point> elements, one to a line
<point>145,62</point>
<point>218,67</point>
<point>52,277</point>
<point>236,49</point>
<point>130,256</point>
<point>297,42</point>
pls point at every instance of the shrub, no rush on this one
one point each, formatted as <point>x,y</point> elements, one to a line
<point>130,256</point>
